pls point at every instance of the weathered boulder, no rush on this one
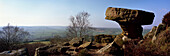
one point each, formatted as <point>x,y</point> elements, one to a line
<point>130,20</point>
<point>76,42</point>
<point>40,51</point>
<point>118,40</point>
<point>102,38</point>
<point>122,15</point>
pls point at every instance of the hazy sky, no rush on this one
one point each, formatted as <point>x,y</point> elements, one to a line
<point>58,12</point>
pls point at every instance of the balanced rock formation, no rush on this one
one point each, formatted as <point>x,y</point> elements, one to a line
<point>130,20</point>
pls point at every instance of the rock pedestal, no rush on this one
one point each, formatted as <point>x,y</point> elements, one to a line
<point>130,20</point>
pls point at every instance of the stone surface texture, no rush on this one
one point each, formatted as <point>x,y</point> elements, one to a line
<point>130,20</point>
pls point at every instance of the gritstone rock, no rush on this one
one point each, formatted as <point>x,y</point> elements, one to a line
<point>130,20</point>
<point>166,20</point>
<point>151,33</point>
<point>102,38</point>
<point>76,42</point>
<point>161,27</point>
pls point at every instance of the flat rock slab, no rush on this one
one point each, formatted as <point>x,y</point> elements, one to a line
<point>122,15</point>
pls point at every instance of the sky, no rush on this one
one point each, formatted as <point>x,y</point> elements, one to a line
<point>58,12</point>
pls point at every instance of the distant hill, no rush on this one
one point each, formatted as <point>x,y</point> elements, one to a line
<point>43,32</point>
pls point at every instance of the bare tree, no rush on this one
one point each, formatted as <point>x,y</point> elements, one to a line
<point>80,25</point>
<point>11,35</point>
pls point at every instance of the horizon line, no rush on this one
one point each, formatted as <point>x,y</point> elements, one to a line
<point>61,26</point>
<point>67,26</point>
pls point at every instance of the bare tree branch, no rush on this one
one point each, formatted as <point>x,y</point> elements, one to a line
<point>80,25</point>
<point>11,35</point>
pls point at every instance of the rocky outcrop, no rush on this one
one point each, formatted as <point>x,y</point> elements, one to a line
<point>130,20</point>
<point>151,33</point>
<point>19,52</point>
<point>155,31</point>
<point>159,29</point>
<point>166,20</point>
<point>67,48</point>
